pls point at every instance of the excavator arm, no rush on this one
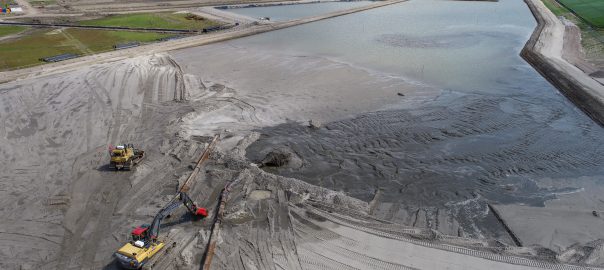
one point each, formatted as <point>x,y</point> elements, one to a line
<point>164,212</point>
<point>190,205</point>
<point>183,198</point>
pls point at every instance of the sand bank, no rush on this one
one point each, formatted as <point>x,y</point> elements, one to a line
<point>268,88</point>
<point>545,51</point>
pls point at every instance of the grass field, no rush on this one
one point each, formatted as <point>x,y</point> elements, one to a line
<point>9,30</point>
<point>555,7</point>
<point>26,51</point>
<point>591,11</point>
<point>98,41</point>
<point>592,38</point>
<point>165,20</point>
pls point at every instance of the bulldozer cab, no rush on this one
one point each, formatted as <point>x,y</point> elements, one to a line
<point>118,153</point>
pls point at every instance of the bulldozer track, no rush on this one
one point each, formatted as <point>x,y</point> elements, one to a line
<point>180,92</point>
<point>113,194</point>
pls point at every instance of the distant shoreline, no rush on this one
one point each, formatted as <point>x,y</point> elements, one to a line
<point>287,3</point>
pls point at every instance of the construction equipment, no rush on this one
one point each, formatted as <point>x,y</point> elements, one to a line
<point>125,156</point>
<point>144,244</point>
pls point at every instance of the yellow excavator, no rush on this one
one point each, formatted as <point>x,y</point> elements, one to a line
<point>125,157</point>
<point>144,244</point>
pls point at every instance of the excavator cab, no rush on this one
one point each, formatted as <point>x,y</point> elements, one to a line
<point>140,235</point>
<point>137,252</point>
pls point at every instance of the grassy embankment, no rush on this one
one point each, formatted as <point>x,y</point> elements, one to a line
<point>9,30</point>
<point>181,21</point>
<point>591,22</point>
<point>38,43</point>
<point>27,50</point>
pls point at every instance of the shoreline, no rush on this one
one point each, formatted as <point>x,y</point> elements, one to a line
<point>238,32</point>
<point>283,3</point>
<point>544,51</point>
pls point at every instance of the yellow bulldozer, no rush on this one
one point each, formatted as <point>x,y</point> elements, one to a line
<point>125,157</point>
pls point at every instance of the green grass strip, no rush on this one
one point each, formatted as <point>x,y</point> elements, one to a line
<point>591,11</point>
<point>9,30</point>
<point>165,20</point>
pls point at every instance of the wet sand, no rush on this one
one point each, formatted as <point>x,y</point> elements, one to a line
<point>270,88</point>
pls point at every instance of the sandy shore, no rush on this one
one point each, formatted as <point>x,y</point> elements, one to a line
<point>545,50</point>
<point>268,88</point>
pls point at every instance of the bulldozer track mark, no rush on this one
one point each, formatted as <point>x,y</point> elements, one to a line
<point>180,91</point>
<point>104,221</point>
<point>246,108</point>
<point>33,236</point>
<point>95,211</point>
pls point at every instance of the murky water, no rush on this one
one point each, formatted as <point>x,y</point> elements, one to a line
<point>291,12</point>
<point>498,129</point>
